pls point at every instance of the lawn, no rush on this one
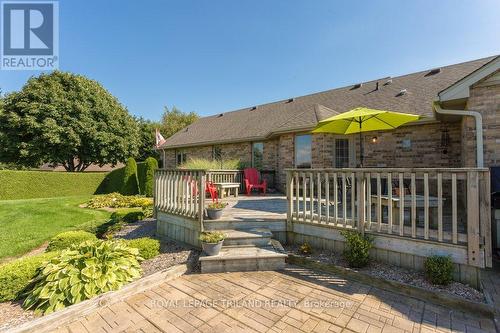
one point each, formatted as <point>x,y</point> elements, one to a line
<point>28,223</point>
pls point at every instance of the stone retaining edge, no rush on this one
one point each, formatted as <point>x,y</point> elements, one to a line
<point>396,287</point>
<point>56,319</point>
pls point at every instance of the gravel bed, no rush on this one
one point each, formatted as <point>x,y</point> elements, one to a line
<point>394,273</point>
<point>171,253</point>
<point>12,314</point>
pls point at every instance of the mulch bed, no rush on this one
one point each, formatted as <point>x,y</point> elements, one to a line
<point>394,273</point>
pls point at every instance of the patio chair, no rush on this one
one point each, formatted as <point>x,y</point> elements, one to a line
<point>252,181</point>
<point>210,188</point>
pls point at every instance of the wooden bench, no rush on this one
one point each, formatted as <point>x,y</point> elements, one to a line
<point>419,201</point>
<point>223,187</point>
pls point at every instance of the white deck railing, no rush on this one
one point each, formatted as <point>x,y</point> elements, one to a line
<point>437,205</point>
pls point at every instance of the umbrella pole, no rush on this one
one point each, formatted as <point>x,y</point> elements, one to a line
<point>360,144</point>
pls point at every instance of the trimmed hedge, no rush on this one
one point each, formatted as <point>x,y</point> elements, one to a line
<point>24,184</point>
<point>130,184</point>
<point>15,276</point>
<point>64,240</point>
<point>148,181</point>
<point>48,184</point>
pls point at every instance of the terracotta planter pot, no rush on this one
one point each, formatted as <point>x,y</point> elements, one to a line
<point>212,249</point>
<point>214,214</point>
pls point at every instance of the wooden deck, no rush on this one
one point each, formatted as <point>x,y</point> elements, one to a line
<point>255,208</point>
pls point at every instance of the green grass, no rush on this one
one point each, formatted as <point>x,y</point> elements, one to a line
<point>28,223</point>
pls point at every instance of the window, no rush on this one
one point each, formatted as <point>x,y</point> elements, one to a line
<point>303,151</point>
<point>341,153</point>
<point>257,154</point>
<point>181,157</point>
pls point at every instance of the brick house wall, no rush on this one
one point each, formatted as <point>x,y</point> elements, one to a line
<point>484,98</point>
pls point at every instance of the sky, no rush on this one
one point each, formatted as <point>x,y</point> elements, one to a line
<point>221,55</point>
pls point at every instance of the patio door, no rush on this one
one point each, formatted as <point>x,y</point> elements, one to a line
<point>344,152</point>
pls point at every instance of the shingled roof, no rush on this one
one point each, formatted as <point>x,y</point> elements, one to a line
<point>303,113</point>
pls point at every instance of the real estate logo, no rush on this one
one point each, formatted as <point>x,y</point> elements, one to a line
<point>30,35</point>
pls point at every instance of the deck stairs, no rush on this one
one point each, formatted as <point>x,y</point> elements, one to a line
<point>246,248</point>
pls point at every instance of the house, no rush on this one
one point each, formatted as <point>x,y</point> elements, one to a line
<point>276,136</point>
<point>423,189</point>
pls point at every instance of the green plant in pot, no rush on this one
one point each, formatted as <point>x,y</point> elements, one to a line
<point>211,242</point>
<point>214,210</point>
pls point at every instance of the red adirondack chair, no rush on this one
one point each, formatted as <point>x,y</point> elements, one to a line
<point>252,181</point>
<point>210,188</point>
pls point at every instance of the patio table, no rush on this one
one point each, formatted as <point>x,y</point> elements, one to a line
<point>223,187</point>
<point>419,200</point>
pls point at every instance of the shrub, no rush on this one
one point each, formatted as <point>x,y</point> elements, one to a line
<point>64,240</point>
<point>439,269</point>
<point>151,166</point>
<point>130,181</point>
<point>204,164</point>
<point>305,248</point>
<point>107,229</point>
<point>357,252</point>
<point>82,272</point>
<point>129,217</point>
<point>148,211</point>
<point>148,247</point>
<point>16,275</point>
<point>212,236</point>
<point>116,200</point>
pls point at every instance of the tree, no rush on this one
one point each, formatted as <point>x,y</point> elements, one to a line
<point>147,138</point>
<point>174,120</point>
<point>67,119</point>
<point>130,179</point>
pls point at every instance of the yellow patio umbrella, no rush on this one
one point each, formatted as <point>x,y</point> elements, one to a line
<point>363,119</point>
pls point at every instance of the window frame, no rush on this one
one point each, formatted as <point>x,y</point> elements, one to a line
<point>261,143</point>
<point>296,137</point>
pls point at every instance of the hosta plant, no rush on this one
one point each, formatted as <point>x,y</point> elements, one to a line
<point>82,272</point>
<point>116,200</point>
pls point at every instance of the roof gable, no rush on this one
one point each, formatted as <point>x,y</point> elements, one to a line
<point>460,89</point>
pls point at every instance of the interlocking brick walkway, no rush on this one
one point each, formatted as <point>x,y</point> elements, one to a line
<point>293,300</point>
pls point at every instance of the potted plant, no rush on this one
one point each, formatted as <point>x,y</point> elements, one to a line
<point>214,210</point>
<point>211,242</point>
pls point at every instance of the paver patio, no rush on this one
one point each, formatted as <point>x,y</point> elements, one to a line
<point>292,300</point>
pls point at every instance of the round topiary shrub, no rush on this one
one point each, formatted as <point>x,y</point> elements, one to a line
<point>130,181</point>
<point>151,166</point>
<point>148,247</point>
<point>438,269</point>
<point>82,272</point>
<point>65,239</point>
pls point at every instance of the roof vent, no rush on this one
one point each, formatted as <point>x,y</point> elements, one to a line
<point>253,108</point>
<point>402,92</point>
<point>358,85</point>
<point>376,87</point>
<point>388,82</point>
<point>433,72</point>
<point>220,115</point>
<point>290,100</point>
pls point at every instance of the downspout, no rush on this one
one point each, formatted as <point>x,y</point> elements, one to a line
<point>479,128</point>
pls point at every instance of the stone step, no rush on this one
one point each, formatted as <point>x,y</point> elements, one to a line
<point>252,236</point>
<point>271,224</point>
<point>241,258</point>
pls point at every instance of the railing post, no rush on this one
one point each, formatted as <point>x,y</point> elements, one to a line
<point>201,197</point>
<point>361,189</point>
<point>485,216</point>
<point>289,201</point>
<point>155,195</point>
<point>473,220</point>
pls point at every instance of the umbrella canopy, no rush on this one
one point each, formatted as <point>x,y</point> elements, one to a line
<point>364,120</point>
